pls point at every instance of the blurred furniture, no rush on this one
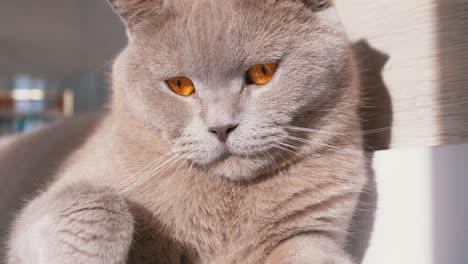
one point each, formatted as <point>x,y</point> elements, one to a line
<point>26,109</point>
<point>69,42</point>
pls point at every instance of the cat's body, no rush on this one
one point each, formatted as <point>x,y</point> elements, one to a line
<point>124,186</point>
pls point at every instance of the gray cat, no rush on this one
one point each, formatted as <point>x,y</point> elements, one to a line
<point>232,137</point>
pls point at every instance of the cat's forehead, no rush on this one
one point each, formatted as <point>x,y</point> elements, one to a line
<point>219,34</point>
<point>210,21</point>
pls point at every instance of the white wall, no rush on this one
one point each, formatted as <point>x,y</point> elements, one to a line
<point>422,209</point>
<point>426,73</point>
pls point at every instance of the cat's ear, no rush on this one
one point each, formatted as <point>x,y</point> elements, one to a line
<point>318,5</point>
<point>133,11</point>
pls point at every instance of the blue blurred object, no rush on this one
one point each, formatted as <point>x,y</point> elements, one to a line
<point>29,105</point>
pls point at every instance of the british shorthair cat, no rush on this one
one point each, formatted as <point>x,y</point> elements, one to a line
<point>232,136</point>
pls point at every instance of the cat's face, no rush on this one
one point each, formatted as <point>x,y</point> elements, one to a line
<point>226,123</point>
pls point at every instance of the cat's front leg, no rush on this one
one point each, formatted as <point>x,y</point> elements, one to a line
<point>309,249</point>
<point>76,224</point>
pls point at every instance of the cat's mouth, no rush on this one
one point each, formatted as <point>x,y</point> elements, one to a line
<point>236,166</point>
<point>241,159</point>
<point>268,151</point>
<point>227,154</point>
<point>231,152</point>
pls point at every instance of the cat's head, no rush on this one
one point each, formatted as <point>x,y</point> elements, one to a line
<point>224,80</point>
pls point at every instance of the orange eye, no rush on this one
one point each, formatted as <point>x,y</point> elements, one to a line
<point>181,85</point>
<point>261,74</point>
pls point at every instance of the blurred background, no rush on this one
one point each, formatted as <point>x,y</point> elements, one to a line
<point>55,57</point>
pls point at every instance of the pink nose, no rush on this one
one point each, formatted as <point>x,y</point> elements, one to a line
<point>222,132</point>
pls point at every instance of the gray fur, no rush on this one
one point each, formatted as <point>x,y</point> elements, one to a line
<point>150,174</point>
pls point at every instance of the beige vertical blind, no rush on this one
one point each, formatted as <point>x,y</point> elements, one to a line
<point>414,57</point>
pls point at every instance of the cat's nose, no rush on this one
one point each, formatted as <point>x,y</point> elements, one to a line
<point>222,132</point>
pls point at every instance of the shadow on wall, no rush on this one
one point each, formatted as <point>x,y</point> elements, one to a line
<point>377,117</point>
<point>376,109</point>
<point>449,167</point>
<point>453,70</point>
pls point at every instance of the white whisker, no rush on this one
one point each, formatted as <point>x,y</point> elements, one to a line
<point>287,150</point>
<point>310,142</point>
<point>274,161</point>
<point>288,145</point>
<point>318,131</point>
<point>149,166</point>
<point>154,176</point>
<point>153,171</point>
<point>184,178</point>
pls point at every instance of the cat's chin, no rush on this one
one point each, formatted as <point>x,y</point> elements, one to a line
<point>238,168</point>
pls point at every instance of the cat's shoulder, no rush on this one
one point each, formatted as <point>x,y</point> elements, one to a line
<point>47,145</point>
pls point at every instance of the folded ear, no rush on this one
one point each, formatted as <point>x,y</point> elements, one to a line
<point>318,5</point>
<point>133,11</point>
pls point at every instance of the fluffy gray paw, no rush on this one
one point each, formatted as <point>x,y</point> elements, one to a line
<point>79,224</point>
